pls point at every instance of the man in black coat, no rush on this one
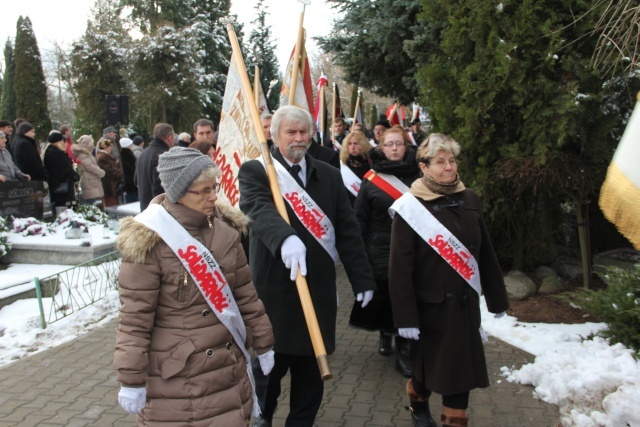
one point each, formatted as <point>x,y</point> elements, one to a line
<point>278,250</point>
<point>324,154</point>
<point>26,154</point>
<point>147,178</point>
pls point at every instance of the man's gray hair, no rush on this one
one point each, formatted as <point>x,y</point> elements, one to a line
<point>162,131</point>
<point>290,114</point>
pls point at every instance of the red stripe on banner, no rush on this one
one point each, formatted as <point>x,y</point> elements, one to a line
<point>392,191</point>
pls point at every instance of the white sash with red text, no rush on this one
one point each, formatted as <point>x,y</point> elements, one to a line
<point>387,183</point>
<point>306,210</point>
<point>350,179</point>
<point>439,238</point>
<point>206,274</point>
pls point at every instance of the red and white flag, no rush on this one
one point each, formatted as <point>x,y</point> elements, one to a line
<point>395,114</point>
<point>238,140</point>
<point>304,91</point>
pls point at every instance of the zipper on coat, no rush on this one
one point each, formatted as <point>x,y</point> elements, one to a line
<point>183,290</point>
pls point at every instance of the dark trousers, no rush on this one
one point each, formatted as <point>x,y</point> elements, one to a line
<point>307,389</point>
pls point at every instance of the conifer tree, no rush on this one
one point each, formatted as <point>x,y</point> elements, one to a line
<point>369,40</point>
<point>512,83</point>
<point>262,53</point>
<point>8,103</point>
<point>99,65</point>
<point>29,84</point>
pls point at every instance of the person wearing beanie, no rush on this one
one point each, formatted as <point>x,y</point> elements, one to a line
<point>174,346</point>
<point>60,172</point>
<point>137,146</point>
<point>380,127</point>
<point>146,177</point>
<point>26,153</point>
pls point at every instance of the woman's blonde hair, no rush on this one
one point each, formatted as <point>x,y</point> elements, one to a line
<point>363,142</point>
<point>435,143</point>
<point>104,143</point>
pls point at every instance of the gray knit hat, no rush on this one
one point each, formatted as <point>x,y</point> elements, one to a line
<point>178,168</point>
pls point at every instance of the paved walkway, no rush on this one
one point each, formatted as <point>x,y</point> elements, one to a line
<point>74,385</point>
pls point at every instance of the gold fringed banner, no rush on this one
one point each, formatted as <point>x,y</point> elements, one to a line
<point>620,193</point>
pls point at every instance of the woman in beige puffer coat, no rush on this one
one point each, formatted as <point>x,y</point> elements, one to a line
<point>91,173</point>
<point>169,341</point>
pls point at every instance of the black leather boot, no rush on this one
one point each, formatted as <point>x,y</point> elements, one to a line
<point>384,345</point>
<point>420,413</point>
<point>402,357</point>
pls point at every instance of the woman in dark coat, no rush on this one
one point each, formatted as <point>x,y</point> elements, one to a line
<point>113,172</point>
<point>354,154</point>
<point>394,158</point>
<point>128,159</point>
<point>60,170</point>
<point>433,303</point>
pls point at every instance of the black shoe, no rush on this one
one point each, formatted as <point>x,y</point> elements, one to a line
<point>384,345</point>
<point>402,357</point>
<point>420,415</point>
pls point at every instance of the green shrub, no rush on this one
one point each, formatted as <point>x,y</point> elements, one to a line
<point>618,305</point>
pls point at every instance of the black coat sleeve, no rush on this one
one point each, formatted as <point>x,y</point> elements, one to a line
<point>156,186</point>
<point>256,201</point>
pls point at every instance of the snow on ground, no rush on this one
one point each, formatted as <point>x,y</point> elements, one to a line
<point>593,383</point>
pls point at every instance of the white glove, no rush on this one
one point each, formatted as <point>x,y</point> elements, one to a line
<point>365,297</point>
<point>499,315</point>
<point>294,255</point>
<point>267,360</point>
<point>132,399</point>
<point>409,333</point>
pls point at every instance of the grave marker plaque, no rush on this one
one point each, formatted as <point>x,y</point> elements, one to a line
<point>22,199</point>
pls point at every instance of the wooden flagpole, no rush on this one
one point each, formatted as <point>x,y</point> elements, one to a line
<point>355,112</point>
<point>333,113</point>
<point>296,57</point>
<point>256,87</point>
<point>321,115</point>
<point>301,282</point>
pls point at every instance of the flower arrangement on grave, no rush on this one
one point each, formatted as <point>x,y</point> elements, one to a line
<point>92,213</point>
<point>30,227</point>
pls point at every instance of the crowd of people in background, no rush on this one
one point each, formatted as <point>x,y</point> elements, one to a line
<point>103,173</point>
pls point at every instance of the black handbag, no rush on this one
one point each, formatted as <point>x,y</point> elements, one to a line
<point>62,188</point>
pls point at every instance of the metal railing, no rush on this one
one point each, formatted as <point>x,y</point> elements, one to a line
<point>78,287</point>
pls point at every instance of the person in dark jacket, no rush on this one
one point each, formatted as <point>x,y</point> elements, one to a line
<point>112,169</point>
<point>26,154</point>
<point>436,293</point>
<point>354,154</point>
<point>60,171</point>
<point>395,158</point>
<point>279,250</point>
<point>128,159</point>
<point>147,178</point>
<point>324,154</point>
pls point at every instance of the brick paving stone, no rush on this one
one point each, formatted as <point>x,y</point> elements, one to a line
<point>74,384</point>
